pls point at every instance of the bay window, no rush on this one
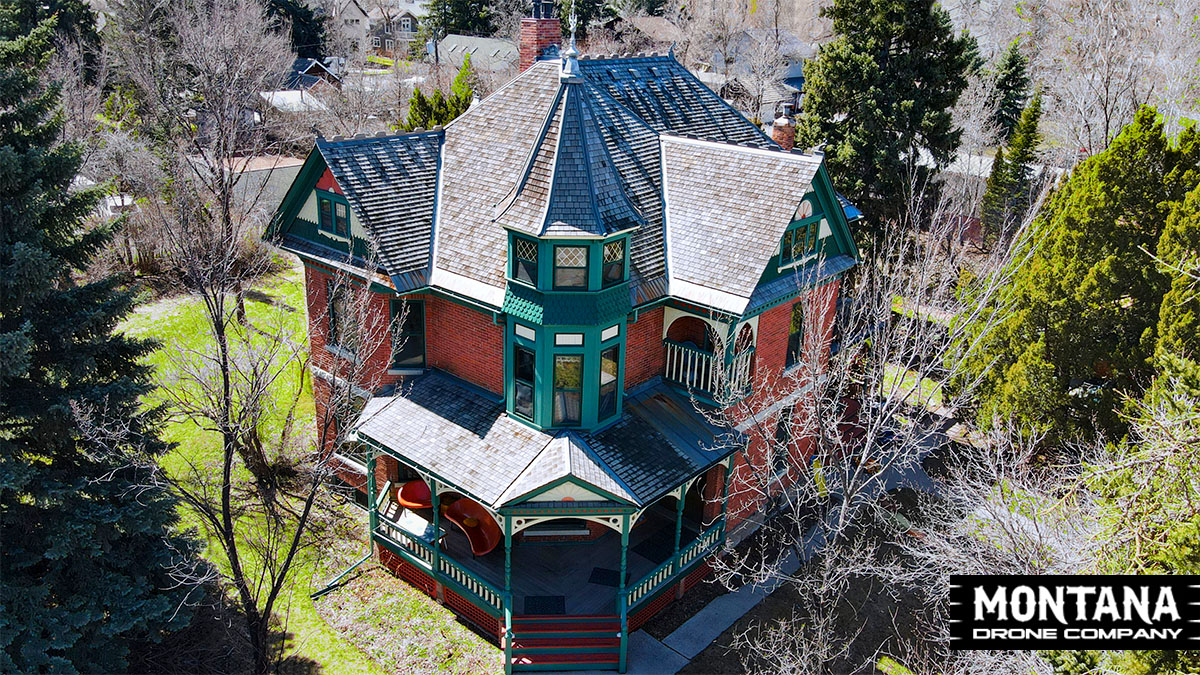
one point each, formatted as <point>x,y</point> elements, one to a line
<point>609,364</point>
<point>613,271</point>
<point>523,379</point>
<point>568,389</point>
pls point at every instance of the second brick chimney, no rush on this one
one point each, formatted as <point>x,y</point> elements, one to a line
<point>539,32</point>
<point>783,130</point>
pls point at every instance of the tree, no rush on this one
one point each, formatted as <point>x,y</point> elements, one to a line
<point>307,29</point>
<point>473,17</point>
<point>88,562</point>
<point>1010,186</point>
<point>879,95</point>
<point>438,109</point>
<point>1011,74</point>
<point>1080,316</point>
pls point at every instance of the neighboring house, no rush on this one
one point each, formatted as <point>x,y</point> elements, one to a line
<point>488,55</point>
<point>293,101</point>
<point>394,25</point>
<point>307,74</point>
<point>351,24</point>
<point>574,258</point>
<point>764,72</point>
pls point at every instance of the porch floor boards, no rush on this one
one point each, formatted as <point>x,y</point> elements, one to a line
<point>564,568</point>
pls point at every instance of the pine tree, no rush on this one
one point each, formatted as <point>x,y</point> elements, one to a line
<point>1009,194</point>
<point>462,89</point>
<point>1079,320</point>
<point>86,543</point>
<point>1011,75</point>
<point>427,112</point>
<point>879,95</point>
<point>307,28</point>
<point>1177,354</point>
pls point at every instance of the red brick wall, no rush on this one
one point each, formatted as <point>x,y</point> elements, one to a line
<point>646,356</point>
<point>537,35</point>
<point>745,493</point>
<point>688,329</point>
<point>465,343</point>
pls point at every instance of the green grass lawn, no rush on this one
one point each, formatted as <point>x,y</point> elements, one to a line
<point>180,321</point>
<point>921,392</point>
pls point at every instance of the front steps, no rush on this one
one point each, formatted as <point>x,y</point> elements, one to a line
<point>555,642</point>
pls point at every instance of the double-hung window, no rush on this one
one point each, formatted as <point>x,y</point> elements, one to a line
<point>408,334</point>
<point>795,335</point>
<point>609,363</point>
<point>525,260</point>
<point>523,381</point>
<point>568,389</point>
<point>570,267</point>
<point>325,213</point>
<point>614,263</point>
<point>343,327</point>
<point>341,219</point>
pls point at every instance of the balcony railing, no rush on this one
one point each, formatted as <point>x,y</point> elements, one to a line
<point>670,570</point>
<point>696,369</point>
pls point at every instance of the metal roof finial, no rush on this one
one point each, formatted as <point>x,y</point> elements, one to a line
<point>570,58</point>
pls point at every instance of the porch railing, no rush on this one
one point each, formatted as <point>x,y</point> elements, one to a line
<point>696,369</point>
<point>667,572</point>
<point>420,553</point>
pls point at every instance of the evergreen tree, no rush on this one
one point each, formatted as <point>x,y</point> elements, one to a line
<point>880,93</point>
<point>472,17</point>
<point>1009,194</point>
<point>1079,320</point>
<point>438,109</point>
<point>86,557</point>
<point>1177,354</point>
<point>1011,76</point>
<point>308,30</point>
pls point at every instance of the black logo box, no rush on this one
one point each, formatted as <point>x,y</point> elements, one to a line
<point>977,621</point>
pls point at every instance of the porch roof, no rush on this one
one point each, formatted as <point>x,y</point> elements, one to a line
<point>464,437</point>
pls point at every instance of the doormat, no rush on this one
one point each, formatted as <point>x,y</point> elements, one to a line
<point>605,577</point>
<point>545,604</point>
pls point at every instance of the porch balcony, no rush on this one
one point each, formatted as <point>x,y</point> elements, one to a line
<point>698,370</point>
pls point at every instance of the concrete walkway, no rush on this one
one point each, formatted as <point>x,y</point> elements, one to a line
<point>649,656</point>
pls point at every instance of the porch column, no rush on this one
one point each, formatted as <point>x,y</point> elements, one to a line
<point>508,608</point>
<point>372,512</point>
<point>623,597</point>
<point>437,529</point>
<point>678,523</point>
<point>507,555</point>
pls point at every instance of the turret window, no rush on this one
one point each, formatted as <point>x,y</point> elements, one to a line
<point>609,363</point>
<point>523,379</point>
<point>568,389</point>
<point>570,267</point>
<point>614,263</point>
<point>525,261</point>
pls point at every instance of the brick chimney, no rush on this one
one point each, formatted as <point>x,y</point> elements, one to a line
<point>783,130</point>
<point>538,32</point>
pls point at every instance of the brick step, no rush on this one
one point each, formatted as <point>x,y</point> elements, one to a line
<point>552,645</point>
<point>563,618</point>
<point>563,630</point>
<point>584,661</point>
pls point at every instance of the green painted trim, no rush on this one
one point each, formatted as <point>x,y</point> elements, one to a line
<point>532,511</point>
<point>293,200</point>
<point>520,499</point>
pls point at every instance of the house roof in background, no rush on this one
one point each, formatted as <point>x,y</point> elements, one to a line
<point>292,101</point>
<point>491,55</point>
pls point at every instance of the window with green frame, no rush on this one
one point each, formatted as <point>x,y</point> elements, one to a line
<point>609,365</point>
<point>781,456</point>
<point>568,389</point>
<point>523,379</point>
<point>795,335</point>
<point>570,267</point>
<point>408,334</point>
<point>799,242</point>
<point>333,216</point>
<point>525,260</point>
<point>613,271</point>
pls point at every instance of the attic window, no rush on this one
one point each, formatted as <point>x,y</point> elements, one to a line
<point>525,260</point>
<point>798,243</point>
<point>341,214</point>
<point>570,267</point>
